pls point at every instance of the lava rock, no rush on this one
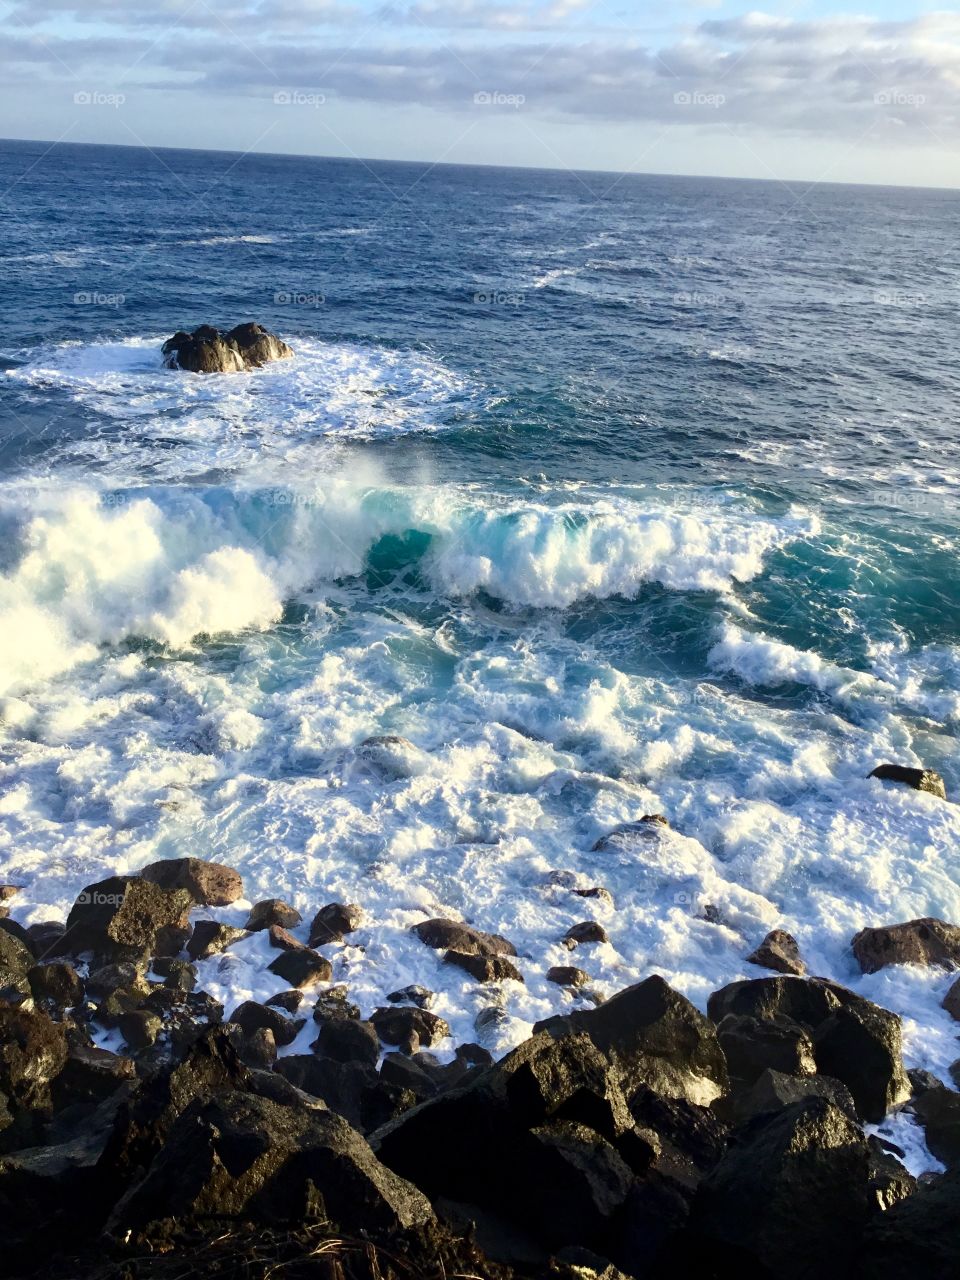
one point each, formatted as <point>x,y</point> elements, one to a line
<point>791,1193</point>
<point>773,1091</point>
<point>301,968</point>
<point>333,1003</point>
<point>33,1051</point>
<point>927,942</point>
<point>938,1110</point>
<point>752,1045</point>
<point>210,937</point>
<point>484,968</point>
<point>627,833</point>
<point>208,350</point>
<point>778,951</point>
<point>805,1000</point>
<point>860,1044</point>
<point>422,997</point>
<point>210,884</point>
<point>410,1028</point>
<point>16,961</point>
<point>656,1037</point>
<point>334,921</point>
<point>951,1001</point>
<point>919,779</point>
<point>250,1015</point>
<point>596,891</point>
<point>140,1028</point>
<point>567,976</point>
<point>272,911</point>
<point>453,935</point>
<point>248,1157</point>
<point>283,940</point>
<point>347,1040</point>
<point>119,918</point>
<point>56,985</point>
<point>586,931</point>
<point>920,1236</point>
<point>345,1087</point>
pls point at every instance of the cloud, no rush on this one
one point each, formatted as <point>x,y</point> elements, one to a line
<point>841,77</point>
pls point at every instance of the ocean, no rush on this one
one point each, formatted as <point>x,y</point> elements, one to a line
<point>584,497</point>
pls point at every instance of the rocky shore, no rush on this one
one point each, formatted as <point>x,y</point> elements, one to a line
<point>634,1138</point>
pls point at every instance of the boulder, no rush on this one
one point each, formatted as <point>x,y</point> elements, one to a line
<point>301,968</point>
<point>807,1001</point>
<point>596,891</point>
<point>33,1051</point>
<point>938,1110</point>
<point>209,884</point>
<point>927,942</point>
<point>420,996</point>
<point>919,1236</point>
<point>567,976</point>
<point>754,1045</point>
<point>585,932</point>
<point>778,951</point>
<point>208,350</point>
<point>210,937</point>
<point>484,968</point>
<point>90,1075</point>
<point>119,918</point>
<point>283,940</point>
<point>250,1015</point>
<point>410,1028</point>
<point>773,1091</point>
<point>655,1037</point>
<point>245,1157</point>
<point>919,779</point>
<point>860,1044</point>
<point>347,1040</point>
<point>791,1193</point>
<point>627,834</point>
<point>55,986</point>
<point>348,1088</point>
<point>951,1001</point>
<point>272,911</point>
<point>453,935</point>
<point>16,961</point>
<point>334,921</point>
<point>333,1003</point>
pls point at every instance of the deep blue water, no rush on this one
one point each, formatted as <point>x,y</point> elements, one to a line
<point>574,477</point>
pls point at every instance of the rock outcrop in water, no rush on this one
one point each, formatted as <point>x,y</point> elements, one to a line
<point>208,350</point>
<point>637,1139</point>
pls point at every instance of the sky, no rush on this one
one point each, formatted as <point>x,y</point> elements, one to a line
<point>798,90</point>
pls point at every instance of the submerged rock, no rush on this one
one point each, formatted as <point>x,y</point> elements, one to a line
<point>454,935</point>
<point>919,779</point>
<point>778,951</point>
<point>334,921</point>
<point>208,350</point>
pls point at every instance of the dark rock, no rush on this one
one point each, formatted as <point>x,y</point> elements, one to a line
<point>259,1050</point>
<point>420,996</point>
<point>334,921</point>
<point>807,1001</point>
<point>283,939</point>
<point>177,975</point>
<point>272,911</point>
<point>410,1028</point>
<point>791,1193</point>
<point>919,1236</point>
<point>118,918</point>
<point>90,1075</point>
<point>627,834</point>
<point>927,942</point>
<point>774,1091</point>
<point>207,350</point>
<point>345,1087</point>
<point>209,884</point>
<point>752,1045</point>
<point>889,1180</point>
<point>778,951</point>
<point>567,976</point>
<point>239,1156</point>
<point>140,1028</point>
<point>171,940</point>
<point>347,1040</point>
<point>15,930</point>
<point>938,1110</point>
<point>125,975</point>
<point>290,1001</point>
<point>56,985</point>
<point>596,891</point>
<point>33,1051</point>
<point>301,968</point>
<point>406,1073</point>
<point>333,1003</point>
<point>250,1015</point>
<point>16,961</point>
<point>951,1001</point>
<point>452,935</point>
<point>45,937</point>
<point>586,931</point>
<point>919,779</point>
<point>484,968</point>
<point>860,1044</point>
<point>210,937</point>
<point>575,1182</point>
<point>657,1038</point>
